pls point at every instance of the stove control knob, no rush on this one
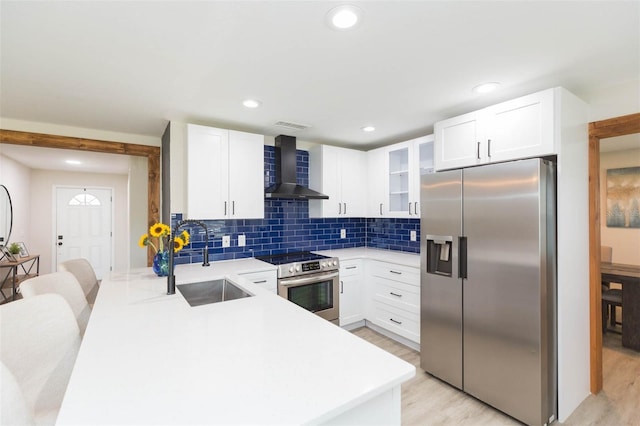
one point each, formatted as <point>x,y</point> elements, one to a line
<point>291,269</point>
<point>324,264</point>
<point>297,268</point>
<point>335,263</point>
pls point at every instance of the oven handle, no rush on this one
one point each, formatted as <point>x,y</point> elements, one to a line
<point>287,282</point>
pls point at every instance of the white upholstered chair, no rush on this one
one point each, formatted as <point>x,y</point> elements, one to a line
<point>86,276</point>
<point>64,284</point>
<point>13,406</point>
<point>39,342</point>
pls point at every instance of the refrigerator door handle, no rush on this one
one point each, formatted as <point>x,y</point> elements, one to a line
<point>478,151</point>
<point>462,256</point>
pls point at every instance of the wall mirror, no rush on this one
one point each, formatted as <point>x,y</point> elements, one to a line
<point>6,215</point>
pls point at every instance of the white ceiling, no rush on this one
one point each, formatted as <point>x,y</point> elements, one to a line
<point>55,159</point>
<point>134,66</point>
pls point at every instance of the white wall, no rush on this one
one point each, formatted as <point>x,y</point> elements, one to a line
<point>17,179</point>
<point>573,257</point>
<point>624,241</point>
<point>43,183</point>
<point>622,98</point>
<point>138,209</point>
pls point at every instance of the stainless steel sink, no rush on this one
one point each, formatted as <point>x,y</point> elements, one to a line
<point>213,291</point>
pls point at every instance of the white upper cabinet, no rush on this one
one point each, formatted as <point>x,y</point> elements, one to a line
<point>225,171</point>
<point>520,128</point>
<point>406,162</point>
<point>394,177</point>
<point>338,173</point>
<point>399,181</point>
<point>377,200</point>
<point>458,141</point>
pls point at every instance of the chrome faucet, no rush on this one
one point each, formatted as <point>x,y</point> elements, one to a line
<point>171,278</point>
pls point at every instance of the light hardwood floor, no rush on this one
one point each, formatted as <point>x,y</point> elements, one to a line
<point>429,401</point>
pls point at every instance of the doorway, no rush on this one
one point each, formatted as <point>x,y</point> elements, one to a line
<point>618,126</point>
<point>84,226</point>
<point>152,153</point>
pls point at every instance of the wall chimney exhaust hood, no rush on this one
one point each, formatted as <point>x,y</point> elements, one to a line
<point>286,174</point>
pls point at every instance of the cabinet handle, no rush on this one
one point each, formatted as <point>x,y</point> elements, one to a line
<point>395,294</point>
<point>397,322</point>
<point>395,272</point>
<point>233,208</point>
<point>415,208</point>
<point>260,282</point>
<point>339,208</point>
<point>225,208</point>
<point>341,287</point>
<point>409,208</point>
<point>345,208</point>
<point>478,151</point>
<point>489,148</point>
<point>351,267</point>
<point>380,209</point>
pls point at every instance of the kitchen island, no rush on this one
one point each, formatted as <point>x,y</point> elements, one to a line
<point>150,358</point>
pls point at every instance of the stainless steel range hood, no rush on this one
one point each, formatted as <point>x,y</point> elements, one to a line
<point>286,174</point>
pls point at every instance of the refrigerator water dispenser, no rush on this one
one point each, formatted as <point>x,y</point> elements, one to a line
<point>439,256</point>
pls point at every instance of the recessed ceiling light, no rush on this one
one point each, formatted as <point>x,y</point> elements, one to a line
<point>251,103</point>
<point>368,129</point>
<point>344,17</point>
<point>486,87</point>
<point>73,162</point>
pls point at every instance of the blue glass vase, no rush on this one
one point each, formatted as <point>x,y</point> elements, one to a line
<point>161,263</point>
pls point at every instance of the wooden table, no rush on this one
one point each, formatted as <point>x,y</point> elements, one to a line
<point>629,277</point>
<point>20,270</point>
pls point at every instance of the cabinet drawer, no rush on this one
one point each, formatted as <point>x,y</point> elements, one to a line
<point>265,279</point>
<point>350,268</point>
<point>403,323</point>
<point>398,294</point>
<point>390,271</point>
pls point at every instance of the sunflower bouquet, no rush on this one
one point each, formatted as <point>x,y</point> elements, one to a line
<point>162,232</point>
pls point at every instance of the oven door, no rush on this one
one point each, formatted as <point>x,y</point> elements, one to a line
<point>317,293</point>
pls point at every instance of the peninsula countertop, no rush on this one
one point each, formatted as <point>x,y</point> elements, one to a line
<point>150,358</point>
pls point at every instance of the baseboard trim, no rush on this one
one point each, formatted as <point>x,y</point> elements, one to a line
<point>391,335</point>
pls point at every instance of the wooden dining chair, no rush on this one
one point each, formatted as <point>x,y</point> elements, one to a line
<point>611,297</point>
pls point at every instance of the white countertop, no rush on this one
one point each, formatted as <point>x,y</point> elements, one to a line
<point>397,257</point>
<point>149,358</point>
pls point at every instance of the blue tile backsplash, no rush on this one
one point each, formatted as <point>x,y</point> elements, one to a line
<point>288,228</point>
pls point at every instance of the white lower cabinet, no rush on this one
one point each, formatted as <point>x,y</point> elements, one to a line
<point>265,279</point>
<point>394,298</point>
<point>351,297</point>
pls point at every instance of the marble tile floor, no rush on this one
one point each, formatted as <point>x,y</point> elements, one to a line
<point>429,401</point>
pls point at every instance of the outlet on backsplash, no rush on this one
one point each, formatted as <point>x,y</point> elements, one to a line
<point>413,236</point>
<point>242,240</point>
<point>226,241</point>
<point>343,233</point>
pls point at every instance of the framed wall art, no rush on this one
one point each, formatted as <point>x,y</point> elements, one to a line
<point>623,197</point>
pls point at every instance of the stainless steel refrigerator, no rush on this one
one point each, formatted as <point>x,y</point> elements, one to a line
<point>488,285</point>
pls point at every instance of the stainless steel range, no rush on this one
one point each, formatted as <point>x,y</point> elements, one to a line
<point>309,280</point>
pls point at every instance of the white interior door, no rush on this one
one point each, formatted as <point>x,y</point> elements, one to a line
<point>83,226</point>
